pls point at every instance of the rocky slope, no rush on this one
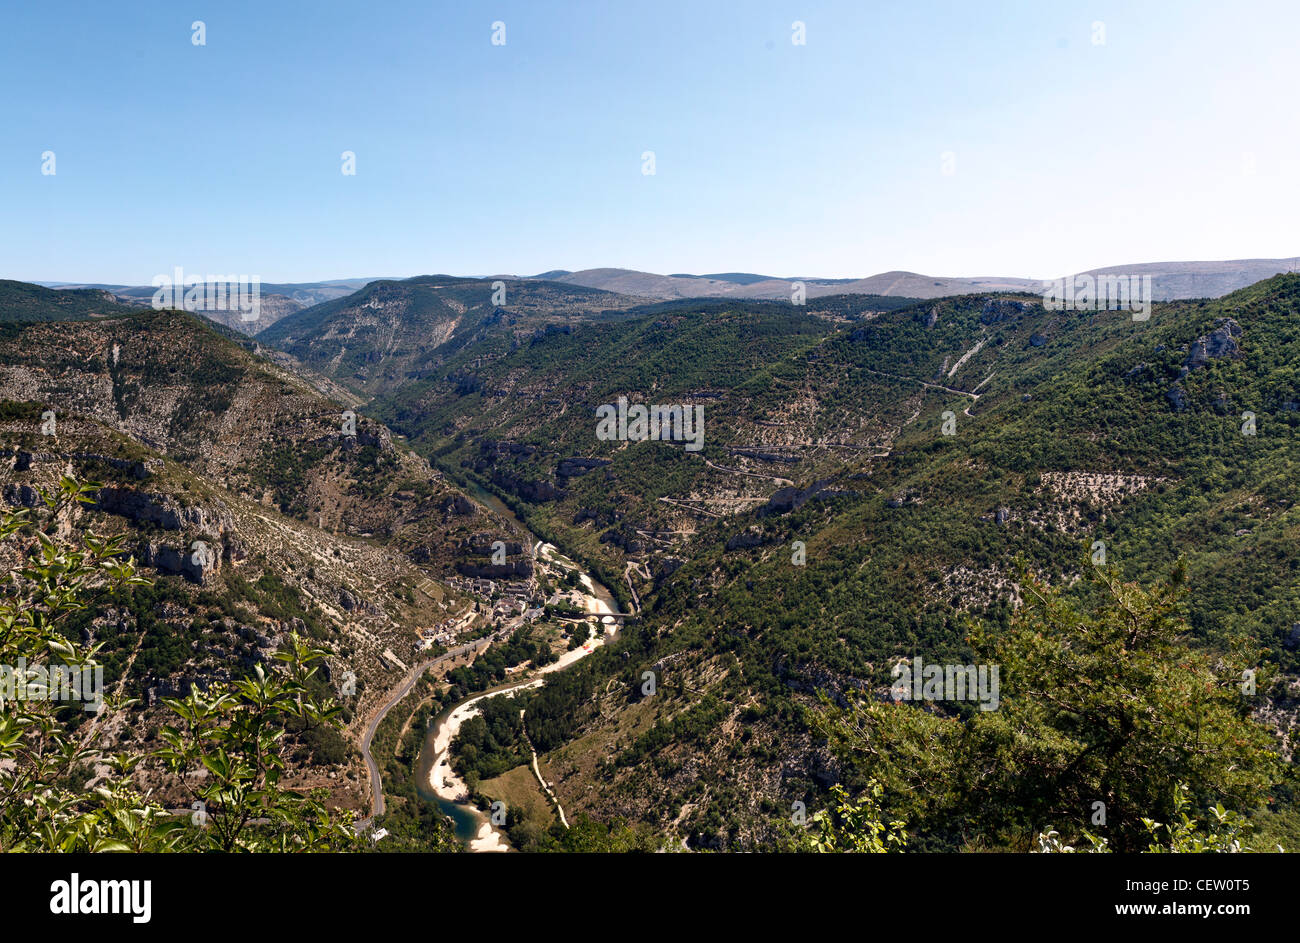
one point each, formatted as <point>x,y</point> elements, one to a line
<point>391,332</point>
<point>254,504</point>
<point>1170,281</point>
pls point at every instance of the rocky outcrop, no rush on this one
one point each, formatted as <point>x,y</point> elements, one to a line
<point>785,499</point>
<point>533,490</point>
<point>460,506</point>
<point>667,567</point>
<point>466,383</point>
<point>747,538</point>
<point>196,559</point>
<point>379,437</point>
<point>550,330</point>
<point>768,456</point>
<point>481,544</point>
<point>163,510</point>
<point>1221,342</point>
<point>601,519</point>
<point>157,689</point>
<point>24,459</point>
<point>494,571</point>
<point>198,564</point>
<point>790,499</point>
<point>536,490</point>
<point>997,310</point>
<point>22,496</point>
<point>625,538</point>
<point>354,603</point>
<point>576,467</point>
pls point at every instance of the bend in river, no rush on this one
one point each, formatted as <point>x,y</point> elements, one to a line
<point>436,779</point>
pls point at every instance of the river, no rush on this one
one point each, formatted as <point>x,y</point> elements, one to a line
<point>435,779</point>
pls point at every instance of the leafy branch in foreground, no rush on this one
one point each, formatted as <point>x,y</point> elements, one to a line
<point>856,826</point>
<point>1223,831</point>
<point>228,751</point>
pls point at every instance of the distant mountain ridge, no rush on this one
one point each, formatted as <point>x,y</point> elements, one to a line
<point>277,300</point>
<point>391,332</point>
<point>21,301</point>
<point>1169,281</point>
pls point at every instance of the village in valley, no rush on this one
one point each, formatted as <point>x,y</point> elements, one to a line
<point>537,586</point>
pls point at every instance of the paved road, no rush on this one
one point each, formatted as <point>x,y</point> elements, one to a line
<point>403,689</point>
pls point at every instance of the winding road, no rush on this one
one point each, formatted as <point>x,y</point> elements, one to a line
<point>394,697</point>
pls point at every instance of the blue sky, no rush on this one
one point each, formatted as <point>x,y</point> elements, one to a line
<point>1174,139</point>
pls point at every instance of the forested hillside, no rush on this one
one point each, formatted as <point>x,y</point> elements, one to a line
<point>868,489</point>
<point>392,332</point>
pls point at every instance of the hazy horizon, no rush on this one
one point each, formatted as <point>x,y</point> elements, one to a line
<point>1294,260</point>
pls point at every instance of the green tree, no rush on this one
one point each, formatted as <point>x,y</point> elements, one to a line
<point>1103,710</point>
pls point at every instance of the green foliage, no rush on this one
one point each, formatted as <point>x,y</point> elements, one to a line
<point>413,823</point>
<point>1221,832</point>
<point>911,547</point>
<point>23,302</point>
<point>586,835</point>
<point>695,724</point>
<point>1106,705</point>
<point>491,742</point>
<point>283,470</point>
<point>227,752</point>
<point>856,826</point>
<point>489,668</point>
